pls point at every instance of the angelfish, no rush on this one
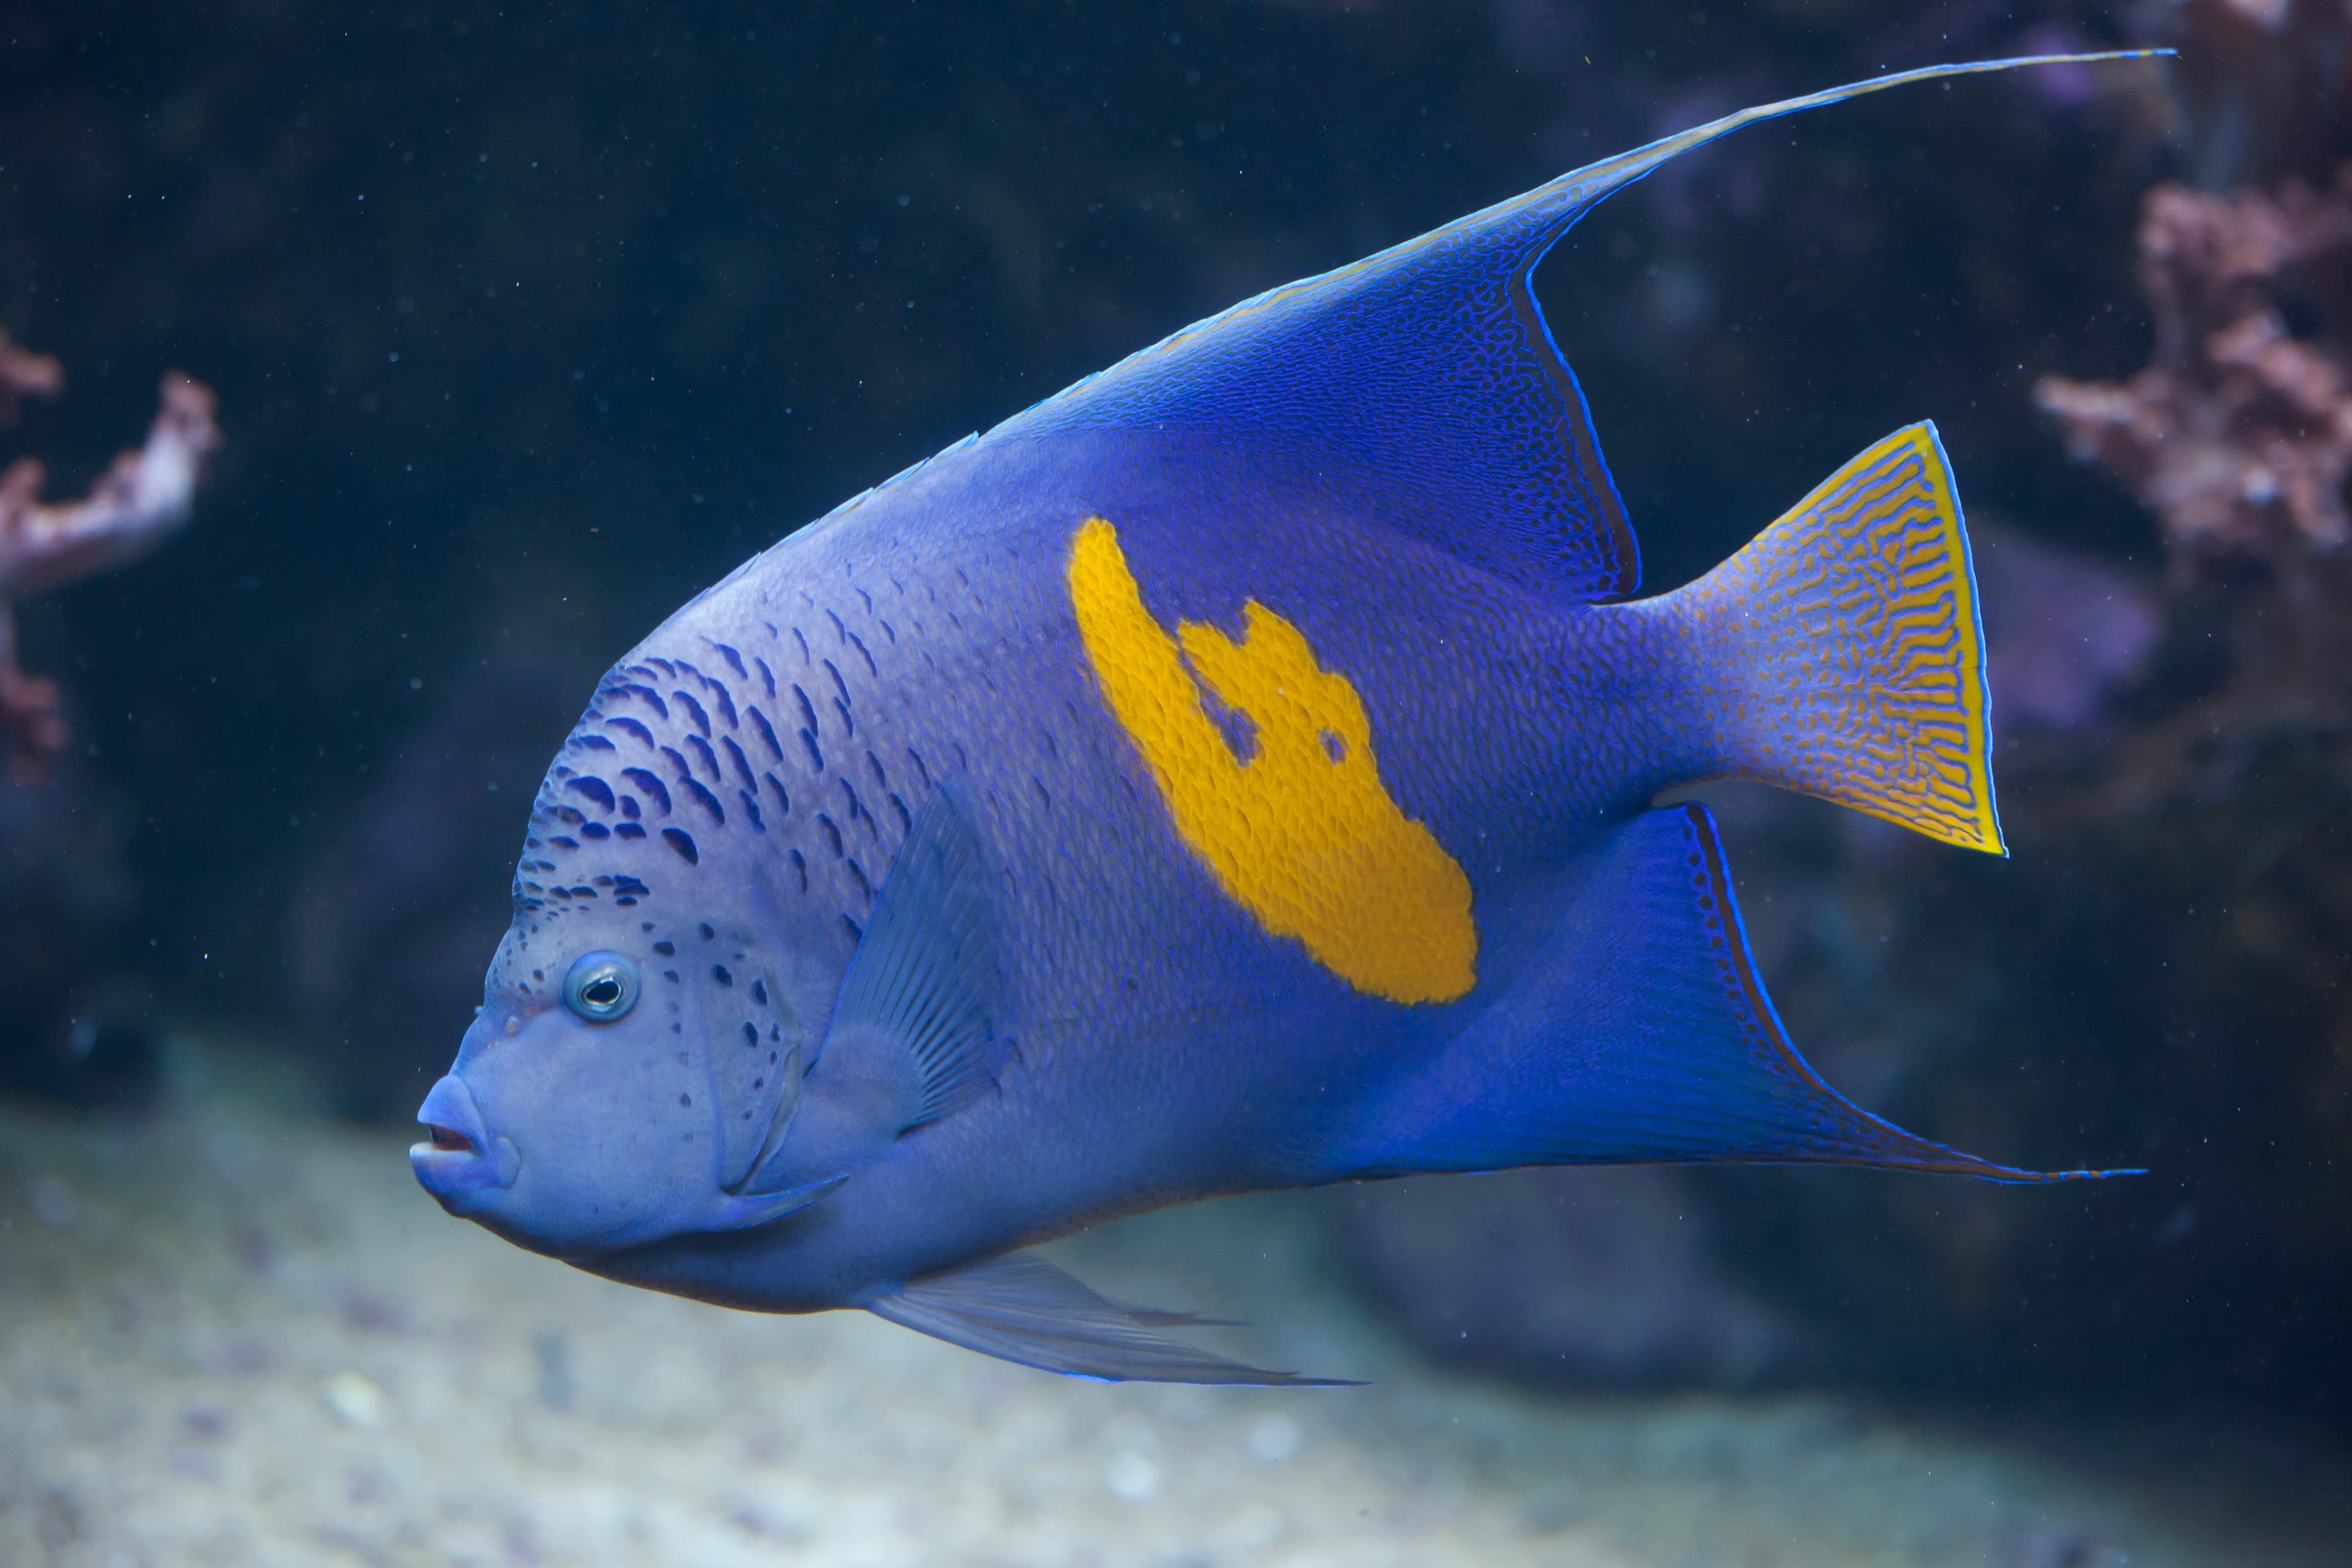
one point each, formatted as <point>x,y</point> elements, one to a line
<point>1236,772</point>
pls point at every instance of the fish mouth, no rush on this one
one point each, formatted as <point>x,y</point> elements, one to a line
<point>458,1155</point>
<point>449,1140</point>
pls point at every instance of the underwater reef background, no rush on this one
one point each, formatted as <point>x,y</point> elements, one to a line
<point>525,325</point>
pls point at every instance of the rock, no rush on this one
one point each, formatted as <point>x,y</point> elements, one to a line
<point>1590,1278</point>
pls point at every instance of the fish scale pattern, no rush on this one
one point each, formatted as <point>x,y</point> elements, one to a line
<point>674,750</point>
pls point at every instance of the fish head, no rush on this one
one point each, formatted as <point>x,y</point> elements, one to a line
<point>633,1050</point>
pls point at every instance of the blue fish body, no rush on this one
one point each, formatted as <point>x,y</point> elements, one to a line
<point>1234,773</point>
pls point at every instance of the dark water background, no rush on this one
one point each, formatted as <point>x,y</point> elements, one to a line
<point>529,323</point>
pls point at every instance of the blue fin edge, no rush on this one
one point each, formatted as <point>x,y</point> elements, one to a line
<point>1956,1163</point>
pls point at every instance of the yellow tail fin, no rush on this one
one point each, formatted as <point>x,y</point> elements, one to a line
<point>1847,652</point>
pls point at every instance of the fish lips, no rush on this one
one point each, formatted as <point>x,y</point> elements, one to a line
<point>460,1158</point>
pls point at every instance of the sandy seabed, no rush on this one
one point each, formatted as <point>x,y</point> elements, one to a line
<point>233,1332</point>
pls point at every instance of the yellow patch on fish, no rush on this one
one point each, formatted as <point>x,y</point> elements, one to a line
<point>1302,833</point>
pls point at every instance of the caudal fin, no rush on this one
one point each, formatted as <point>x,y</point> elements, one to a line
<point>1840,651</point>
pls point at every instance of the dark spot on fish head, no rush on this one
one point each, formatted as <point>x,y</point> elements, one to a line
<point>1334,746</point>
<point>593,788</point>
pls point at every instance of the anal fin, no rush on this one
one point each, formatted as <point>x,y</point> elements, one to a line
<point>1641,1032</point>
<point>1020,1308</point>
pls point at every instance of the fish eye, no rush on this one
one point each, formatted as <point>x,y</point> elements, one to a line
<point>601,987</point>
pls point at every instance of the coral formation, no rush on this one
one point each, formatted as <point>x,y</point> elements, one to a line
<point>23,373</point>
<point>2238,438</point>
<point>138,503</point>
<point>2240,429</point>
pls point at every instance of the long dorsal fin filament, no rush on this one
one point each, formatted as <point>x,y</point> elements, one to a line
<point>1419,391</point>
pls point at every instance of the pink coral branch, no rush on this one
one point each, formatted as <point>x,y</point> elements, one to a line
<point>2240,436</point>
<point>23,373</point>
<point>140,501</point>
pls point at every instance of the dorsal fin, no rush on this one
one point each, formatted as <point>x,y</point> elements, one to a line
<point>1421,385</point>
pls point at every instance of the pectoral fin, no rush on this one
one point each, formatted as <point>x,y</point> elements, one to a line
<point>927,976</point>
<point>747,1211</point>
<point>917,1031</point>
<point>1020,1308</point>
